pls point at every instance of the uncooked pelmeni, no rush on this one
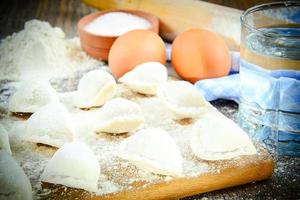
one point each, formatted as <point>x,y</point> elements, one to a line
<point>215,137</point>
<point>118,115</point>
<point>73,165</point>
<point>14,184</point>
<point>4,140</point>
<point>183,99</point>
<point>146,78</point>
<point>153,150</point>
<point>51,124</point>
<point>94,89</point>
<point>31,95</point>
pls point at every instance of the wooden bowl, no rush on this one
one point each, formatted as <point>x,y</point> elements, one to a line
<point>98,46</point>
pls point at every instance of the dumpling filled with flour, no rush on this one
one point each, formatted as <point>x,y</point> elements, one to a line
<point>145,78</point>
<point>4,140</point>
<point>215,137</point>
<point>183,99</point>
<point>153,150</point>
<point>94,89</point>
<point>14,184</point>
<point>73,165</point>
<point>31,95</point>
<point>51,124</point>
<point>119,115</point>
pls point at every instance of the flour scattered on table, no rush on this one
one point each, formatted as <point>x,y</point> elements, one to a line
<point>40,50</point>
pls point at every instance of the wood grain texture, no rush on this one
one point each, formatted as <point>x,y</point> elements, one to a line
<point>230,173</point>
<point>176,16</point>
<point>285,182</point>
<point>66,13</point>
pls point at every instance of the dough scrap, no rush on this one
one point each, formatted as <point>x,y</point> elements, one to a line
<point>94,89</point>
<point>73,165</point>
<point>119,115</point>
<point>4,140</point>
<point>14,184</point>
<point>31,95</point>
<point>153,150</point>
<point>51,124</point>
<point>183,99</point>
<point>215,137</point>
<point>145,78</point>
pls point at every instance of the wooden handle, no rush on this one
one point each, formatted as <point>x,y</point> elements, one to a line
<point>177,16</point>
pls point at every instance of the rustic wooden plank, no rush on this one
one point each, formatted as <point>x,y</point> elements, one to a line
<point>231,173</point>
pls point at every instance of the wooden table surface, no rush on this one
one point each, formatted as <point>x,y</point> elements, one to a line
<point>285,183</point>
<point>65,13</point>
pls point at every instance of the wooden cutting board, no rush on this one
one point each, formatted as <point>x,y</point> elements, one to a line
<point>228,173</point>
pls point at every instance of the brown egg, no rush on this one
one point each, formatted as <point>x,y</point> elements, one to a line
<point>134,48</point>
<point>200,54</point>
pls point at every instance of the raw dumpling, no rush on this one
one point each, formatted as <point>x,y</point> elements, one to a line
<point>146,78</point>
<point>215,137</point>
<point>73,165</point>
<point>32,95</point>
<point>4,140</point>
<point>14,184</point>
<point>51,125</point>
<point>183,99</point>
<point>119,115</point>
<point>94,89</point>
<point>153,150</point>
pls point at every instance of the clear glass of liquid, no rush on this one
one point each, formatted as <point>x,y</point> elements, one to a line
<point>269,108</point>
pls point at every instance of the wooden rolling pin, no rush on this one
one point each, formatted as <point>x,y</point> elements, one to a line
<point>177,16</point>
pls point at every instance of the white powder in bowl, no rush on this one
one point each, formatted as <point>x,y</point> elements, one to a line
<point>116,23</point>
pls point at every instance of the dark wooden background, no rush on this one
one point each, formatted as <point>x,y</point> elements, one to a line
<point>285,183</point>
<point>66,13</point>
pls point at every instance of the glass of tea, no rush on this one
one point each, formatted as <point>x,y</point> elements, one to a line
<point>269,108</point>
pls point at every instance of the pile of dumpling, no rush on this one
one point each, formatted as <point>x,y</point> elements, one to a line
<point>74,164</point>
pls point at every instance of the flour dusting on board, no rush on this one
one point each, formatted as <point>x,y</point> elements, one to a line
<point>117,174</point>
<point>41,51</point>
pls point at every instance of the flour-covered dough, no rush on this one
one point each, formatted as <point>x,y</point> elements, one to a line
<point>153,150</point>
<point>51,124</point>
<point>146,78</point>
<point>119,115</point>
<point>4,140</point>
<point>215,137</point>
<point>73,165</point>
<point>183,99</point>
<point>14,184</point>
<point>31,95</point>
<point>94,89</point>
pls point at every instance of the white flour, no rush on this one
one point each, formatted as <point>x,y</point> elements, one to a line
<point>116,23</point>
<point>41,51</point>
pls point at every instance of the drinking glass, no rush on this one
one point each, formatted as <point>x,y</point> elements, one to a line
<point>269,108</point>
